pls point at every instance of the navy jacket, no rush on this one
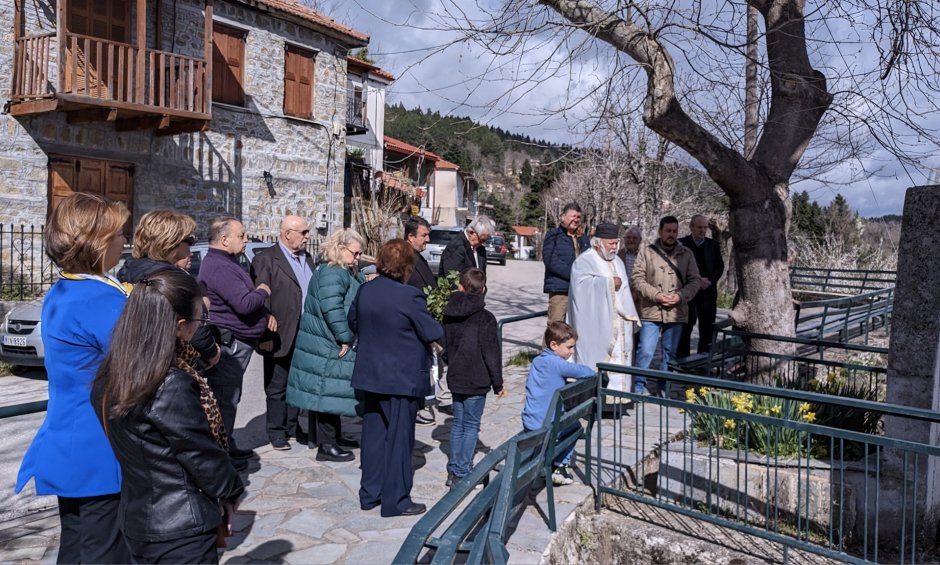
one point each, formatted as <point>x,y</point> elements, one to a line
<point>394,329</point>
<point>558,255</point>
<point>709,262</point>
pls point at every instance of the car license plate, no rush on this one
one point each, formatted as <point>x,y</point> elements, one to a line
<point>14,341</point>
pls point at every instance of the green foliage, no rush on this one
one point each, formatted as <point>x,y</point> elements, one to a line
<point>500,213</point>
<point>362,55</point>
<point>808,218</point>
<point>522,358</point>
<point>525,175</point>
<point>725,299</point>
<point>438,297</point>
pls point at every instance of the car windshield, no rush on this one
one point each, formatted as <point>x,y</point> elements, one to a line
<point>496,241</point>
<point>441,237</point>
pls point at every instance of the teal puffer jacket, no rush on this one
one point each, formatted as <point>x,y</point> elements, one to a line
<point>319,379</point>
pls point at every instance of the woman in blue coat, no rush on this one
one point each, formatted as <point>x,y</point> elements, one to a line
<point>70,456</point>
<point>322,366</point>
<point>393,371</point>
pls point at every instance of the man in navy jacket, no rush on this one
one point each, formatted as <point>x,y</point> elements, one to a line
<point>559,250</point>
<point>704,307</point>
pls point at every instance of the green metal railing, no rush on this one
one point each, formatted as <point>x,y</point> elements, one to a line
<point>842,281</point>
<point>15,410</point>
<point>848,317</point>
<point>762,460</point>
<point>513,319</point>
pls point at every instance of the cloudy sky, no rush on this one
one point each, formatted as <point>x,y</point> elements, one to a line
<point>409,39</point>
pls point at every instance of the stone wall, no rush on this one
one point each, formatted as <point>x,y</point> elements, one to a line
<point>205,174</point>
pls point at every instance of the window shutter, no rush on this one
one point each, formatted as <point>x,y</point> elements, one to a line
<point>298,83</point>
<point>228,65</point>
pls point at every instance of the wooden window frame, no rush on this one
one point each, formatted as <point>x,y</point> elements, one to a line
<point>236,95</point>
<point>303,92</point>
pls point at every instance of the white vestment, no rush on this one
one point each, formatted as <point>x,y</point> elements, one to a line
<point>604,318</point>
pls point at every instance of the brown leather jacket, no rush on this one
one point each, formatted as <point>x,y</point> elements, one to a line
<point>652,275</point>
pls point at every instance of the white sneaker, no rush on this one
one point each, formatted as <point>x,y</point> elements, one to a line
<point>562,476</point>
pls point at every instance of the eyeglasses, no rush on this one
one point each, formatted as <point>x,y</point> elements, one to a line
<point>355,254</point>
<point>301,232</point>
<point>191,240</point>
<point>203,321</point>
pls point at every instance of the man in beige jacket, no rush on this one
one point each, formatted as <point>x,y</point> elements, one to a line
<point>666,277</point>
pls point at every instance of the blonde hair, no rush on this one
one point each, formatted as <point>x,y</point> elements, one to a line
<point>332,249</point>
<point>80,230</point>
<point>159,232</point>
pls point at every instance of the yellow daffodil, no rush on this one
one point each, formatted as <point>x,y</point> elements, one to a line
<point>775,409</point>
<point>809,417</point>
<point>690,395</point>
<point>703,391</point>
<point>804,407</point>
<point>729,424</point>
<point>813,384</point>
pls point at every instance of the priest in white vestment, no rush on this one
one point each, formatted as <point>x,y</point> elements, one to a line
<point>600,307</point>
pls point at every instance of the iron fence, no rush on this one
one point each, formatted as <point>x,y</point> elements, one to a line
<point>25,270</point>
<point>840,281</point>
<point>764,461</point>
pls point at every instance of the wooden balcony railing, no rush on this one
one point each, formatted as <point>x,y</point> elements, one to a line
<point>110,72</point>
<point>31,66</point>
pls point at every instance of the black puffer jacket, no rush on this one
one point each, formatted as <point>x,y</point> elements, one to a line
<point>474,355</point>
<point>135,269</point>
<point>173,471</point>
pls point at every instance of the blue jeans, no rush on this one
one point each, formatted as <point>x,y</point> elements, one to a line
<point>563,458</point>
<point>649,339</point>
<point>464,431</point>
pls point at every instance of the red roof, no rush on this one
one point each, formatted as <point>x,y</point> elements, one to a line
<point>447,165</point>
<point>368,67</point>
<point>312,16</point>
<point>401,147</point>
<point>525,231</point>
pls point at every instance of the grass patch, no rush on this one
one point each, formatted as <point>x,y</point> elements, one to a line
<point>5,369</point>
<point>522,358</point>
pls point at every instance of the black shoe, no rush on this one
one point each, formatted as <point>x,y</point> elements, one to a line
<point>240,453</point>
<point>367,507</point>
<point>348,442</point>
<point>240,464</point>
<point>334,453</point>
<point>452,480</point>
<point>415,509</point>
<point>280,444</point>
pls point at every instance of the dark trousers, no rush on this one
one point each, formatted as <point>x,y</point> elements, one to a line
<point>324,429</point>
<point>703,311</point>
<point>225,379</point>
<point>388,438</point>
<point>281,417</point>
<point>90,530</point>
<point>199,548</point>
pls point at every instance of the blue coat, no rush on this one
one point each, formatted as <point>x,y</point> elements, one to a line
<point>394,329</point>
<point>319,378</point>
<point>70,455</point>
<point>558,255</point>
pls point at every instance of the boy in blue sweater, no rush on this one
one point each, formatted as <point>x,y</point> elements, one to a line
<point>546,375</point>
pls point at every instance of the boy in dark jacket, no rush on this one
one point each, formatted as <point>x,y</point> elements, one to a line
<point>474,359</point>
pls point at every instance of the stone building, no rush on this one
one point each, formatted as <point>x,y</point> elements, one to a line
<point>232,107</point>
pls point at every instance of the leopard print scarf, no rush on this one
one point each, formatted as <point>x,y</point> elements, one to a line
<point>186,357</point>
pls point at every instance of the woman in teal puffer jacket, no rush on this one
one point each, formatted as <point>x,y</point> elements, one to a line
<point>322,366</point>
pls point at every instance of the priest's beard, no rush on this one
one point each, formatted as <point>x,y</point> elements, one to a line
<point>605,254</point>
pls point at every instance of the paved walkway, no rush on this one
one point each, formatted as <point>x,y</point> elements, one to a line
<point>299,510</point>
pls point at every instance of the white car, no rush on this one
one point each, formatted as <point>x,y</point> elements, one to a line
<point>20,334</point>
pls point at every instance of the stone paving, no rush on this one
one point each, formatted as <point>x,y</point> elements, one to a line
<point>299,510</point>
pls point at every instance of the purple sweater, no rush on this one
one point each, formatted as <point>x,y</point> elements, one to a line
<point>234,302</point>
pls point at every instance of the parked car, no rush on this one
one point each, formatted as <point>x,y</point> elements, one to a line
<point>20,334</point>
<point>440,236</point>
<point>496,249</point>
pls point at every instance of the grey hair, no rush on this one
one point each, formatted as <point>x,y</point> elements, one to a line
<point>482,226</point>
<point>220,227</point>
<point>635,231</point>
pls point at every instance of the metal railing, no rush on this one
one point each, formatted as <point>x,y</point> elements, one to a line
<point>513,319</point>
<point>846,318</point>
<point>764,461</point>
<point>25,270</point>
<point>841,281</point>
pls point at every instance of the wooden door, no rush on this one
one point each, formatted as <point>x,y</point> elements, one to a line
<point>95,62</point>
<point>111,179</point>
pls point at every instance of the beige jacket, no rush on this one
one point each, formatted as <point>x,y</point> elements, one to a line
<point>652,275</point>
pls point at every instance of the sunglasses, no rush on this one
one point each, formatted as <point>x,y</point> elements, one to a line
<point>191,240</point>
<point>301,232</point>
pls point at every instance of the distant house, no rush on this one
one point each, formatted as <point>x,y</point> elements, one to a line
<point>411,170</point>
<point>365,135</point>
<point>454,195</point>
<point>211,107</point>
<point>524,239</point>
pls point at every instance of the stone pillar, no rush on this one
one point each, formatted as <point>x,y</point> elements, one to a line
<point>914,360</point>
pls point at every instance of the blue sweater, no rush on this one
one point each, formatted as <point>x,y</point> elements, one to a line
<point>234,302</point>
<point>70,455</point>
<point>546,375</point>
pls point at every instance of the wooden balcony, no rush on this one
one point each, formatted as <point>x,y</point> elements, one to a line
<point>94,79</point>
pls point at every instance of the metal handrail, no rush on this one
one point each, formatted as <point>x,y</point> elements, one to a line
<point>513,319</point>
<point>23,409</point>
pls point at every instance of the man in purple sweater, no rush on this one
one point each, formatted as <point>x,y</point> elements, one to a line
<point>237,316</point>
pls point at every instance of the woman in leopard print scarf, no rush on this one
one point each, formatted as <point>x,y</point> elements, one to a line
<point>164,426</point>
